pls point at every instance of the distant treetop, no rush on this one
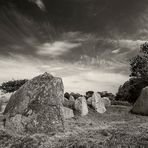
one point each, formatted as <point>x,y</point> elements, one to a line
<point>11,86</point>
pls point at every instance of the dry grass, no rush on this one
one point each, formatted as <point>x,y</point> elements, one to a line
<point>114,129</point>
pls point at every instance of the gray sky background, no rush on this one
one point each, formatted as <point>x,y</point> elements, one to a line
<point>88,43</point>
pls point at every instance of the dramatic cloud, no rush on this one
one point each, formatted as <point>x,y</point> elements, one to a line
<point>57,48</point>
<point>77,78</point>
<point>87,42</point>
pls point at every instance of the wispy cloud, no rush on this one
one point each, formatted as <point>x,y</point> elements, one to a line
<point>57,48</point>
<point>95,80</point>
<point>130,44</point>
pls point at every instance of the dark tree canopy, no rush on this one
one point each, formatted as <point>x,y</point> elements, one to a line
<point>144,48</point>
<point>11,86</point>
<point>139,63</point>
<point>131,89</point>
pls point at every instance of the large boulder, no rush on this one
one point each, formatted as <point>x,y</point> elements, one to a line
<point>36,107</point>
<point>97,103</point>
<point>141,105</point>
<point>81,106</point>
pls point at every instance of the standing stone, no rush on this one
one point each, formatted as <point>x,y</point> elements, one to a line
<point>68,113</point>
<point>141,105</point>
<point>36,107</point>
<point>81,106</point>
<point>97,103</point>
<point>106,101</point>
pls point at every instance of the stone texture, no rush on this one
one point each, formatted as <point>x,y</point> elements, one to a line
<point>97,103</point>
<point>75,95</point>
<point>67,95</point>
<point>106,101</point>
<point>81,106</point>
<point>3,106</point>
<point>141,105</point>
<point>68,113</point>
<point>71,98</point>
<point>89,101</point>
<point>68,103</point>
<point>89,94</point>
<point>36,107</point>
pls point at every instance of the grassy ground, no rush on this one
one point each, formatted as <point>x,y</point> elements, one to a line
<point>117,128</point>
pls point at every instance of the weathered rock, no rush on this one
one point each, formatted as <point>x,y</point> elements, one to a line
<point>141,105</point>
<point>68,113</point>
<point>71,98</point>
<point>4,97</point>
<point>89,101</point>
<point>68,103</point>
<point>97,103</point>
<point>75,95</point>
<point>67,95</point>
<point>81,106</point>
<point>106,101</point>
<point>89,94</point>
<point>2,108</point>
<point>36,107</point>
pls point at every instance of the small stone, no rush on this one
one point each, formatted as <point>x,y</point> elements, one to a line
<point>68,113</point>
<point>97,103</point>
<point>81,106</point>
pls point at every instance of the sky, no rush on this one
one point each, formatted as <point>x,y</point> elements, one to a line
<point>86,42</point>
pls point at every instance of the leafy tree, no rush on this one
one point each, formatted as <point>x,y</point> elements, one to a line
<point>131,89</point>
<point>139,63</point>
<point>11,86</point>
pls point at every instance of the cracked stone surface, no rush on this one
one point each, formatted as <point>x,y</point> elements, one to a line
<point>36,107</point>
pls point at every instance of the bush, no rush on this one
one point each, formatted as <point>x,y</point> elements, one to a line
<point>139,63</point>
<point>131,90</point>
<point>123,103</point>
<point>11,86</point>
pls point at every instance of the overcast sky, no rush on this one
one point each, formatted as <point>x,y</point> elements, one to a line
<point>86,42</point>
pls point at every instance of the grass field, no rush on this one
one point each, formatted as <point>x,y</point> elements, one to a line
<point>117,128</point>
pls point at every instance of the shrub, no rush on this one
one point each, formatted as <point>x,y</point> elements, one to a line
<point>131,90</point>
<point>139,63</point>
<point>11,86</point>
